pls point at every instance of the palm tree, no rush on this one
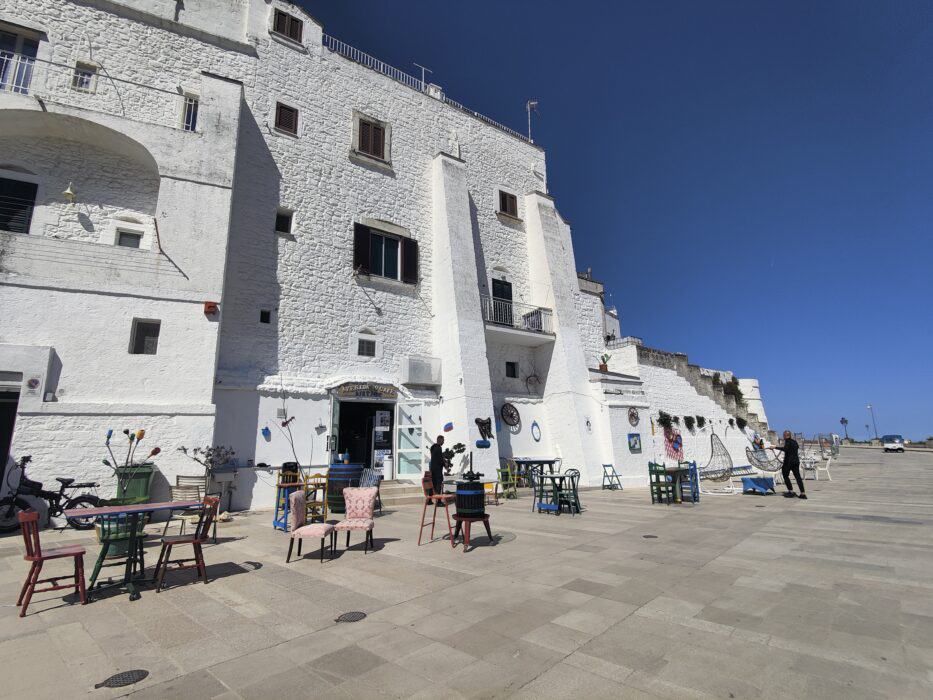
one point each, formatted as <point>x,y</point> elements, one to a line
<point>845,425</point>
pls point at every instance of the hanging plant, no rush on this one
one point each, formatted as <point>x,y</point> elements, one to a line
<point>731,423</point>
<point>664,420</point>
<point>701,421</point>
<point>741,422</point>
<point>690,422</point>
<point>676,420</point>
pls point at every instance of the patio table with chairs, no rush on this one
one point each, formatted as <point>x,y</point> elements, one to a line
<point>563,490</point>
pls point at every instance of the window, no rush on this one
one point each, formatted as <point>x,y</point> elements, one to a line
<point>365,348</point>
<point>286,119</point>
<point>265,316</point>
<point>384,255</point>
<point>17,201</point>
<point>144,339</point>
<point>508,204</point>
<point>511,370</point>
<point>189,114</point>
<point>128,239</point>
<point>85,77</point>
<point>17,58</point>
<point>372,139</point>
<point>283,221</point>
<point>287,26</point>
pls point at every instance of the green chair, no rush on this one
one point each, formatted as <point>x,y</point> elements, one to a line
<point>568,493</point>
<point>661,487</point>
<point>507,482</point>
<point>115,531</point>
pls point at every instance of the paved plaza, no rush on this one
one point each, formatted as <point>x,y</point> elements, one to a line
<point>738,597</point>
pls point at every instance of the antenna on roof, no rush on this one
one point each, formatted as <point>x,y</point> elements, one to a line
<point>423,71</point>
<point>531,105</point>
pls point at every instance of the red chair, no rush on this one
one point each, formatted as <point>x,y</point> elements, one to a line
<point>29,524</point>
<point>437,500</point>
<point>195,539</point>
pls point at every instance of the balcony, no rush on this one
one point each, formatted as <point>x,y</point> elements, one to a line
<point>86,86</point>
<point>517,323</point>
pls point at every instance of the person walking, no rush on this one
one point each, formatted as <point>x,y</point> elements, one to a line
<point>437,465</point>
<point>791,452</point>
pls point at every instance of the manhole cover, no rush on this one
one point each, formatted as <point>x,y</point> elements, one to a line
<point>650,537</point>
<point>354,616</point>
<point>118,680</point>
<point>759,506</point>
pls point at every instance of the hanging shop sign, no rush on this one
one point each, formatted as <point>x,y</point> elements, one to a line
<point>366,390</point>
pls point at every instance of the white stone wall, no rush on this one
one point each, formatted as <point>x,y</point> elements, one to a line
<point>589,312</point>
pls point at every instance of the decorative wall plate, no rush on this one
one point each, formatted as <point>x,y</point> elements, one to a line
<point>536,431</point>
<point>510,414</point>
<point>633,416</point>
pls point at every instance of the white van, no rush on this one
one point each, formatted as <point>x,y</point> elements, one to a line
<point>893,443</point>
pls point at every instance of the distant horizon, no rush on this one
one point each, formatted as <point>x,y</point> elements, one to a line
<point>751,183</point>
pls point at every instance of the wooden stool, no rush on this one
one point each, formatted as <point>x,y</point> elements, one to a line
<point>466,521</point>
<point>437,500</point>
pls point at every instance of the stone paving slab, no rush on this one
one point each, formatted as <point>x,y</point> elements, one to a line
<point>738,597</point>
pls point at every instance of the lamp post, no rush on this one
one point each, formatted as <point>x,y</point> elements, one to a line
<point>871,408</point>
<point>868,431</point>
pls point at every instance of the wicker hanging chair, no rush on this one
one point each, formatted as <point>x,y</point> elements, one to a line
<point>719,467</point>
<point>760,460</point>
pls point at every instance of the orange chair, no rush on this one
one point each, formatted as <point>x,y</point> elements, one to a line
<point>435,499</point>
<point>29,524</point>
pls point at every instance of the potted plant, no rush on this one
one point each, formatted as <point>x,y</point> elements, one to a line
<point>701,422</point>
<point>211,458</point>
<point>741,422</point>
<point>676,420</point>
<point>604,362</point>
<point>689,421</point>
<point>731,423</point>
<point>665,420</point>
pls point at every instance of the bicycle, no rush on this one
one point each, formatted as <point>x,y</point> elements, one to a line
<point>57,501</point>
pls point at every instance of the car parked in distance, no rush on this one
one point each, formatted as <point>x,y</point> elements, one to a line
<point>893,443</point>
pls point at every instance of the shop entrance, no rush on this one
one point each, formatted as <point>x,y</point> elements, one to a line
<point>9,400</point>
<point>365,431</point>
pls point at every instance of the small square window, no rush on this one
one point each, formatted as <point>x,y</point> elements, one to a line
<point>287,25</point>
<point>265,316</point>
<point>286,119</point>
<point>128,239</point>
<point>372,139</point>
<point>366,348</point>
<point>189,117</point>
<point>508,204</point>
<point>84,78</point>
<point>283,221</point>
<point>144,338</point>
<point>511,370</point>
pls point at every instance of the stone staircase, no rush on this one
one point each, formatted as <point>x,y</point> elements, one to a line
<point>400,492</point>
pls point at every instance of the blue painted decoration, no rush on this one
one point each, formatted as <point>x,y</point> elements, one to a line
<point>266,433</point>
<point>483,444</point>
<point>448,427</point>
<point>536,431</point>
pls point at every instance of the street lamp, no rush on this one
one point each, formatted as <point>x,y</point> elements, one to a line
<point>870,408</point>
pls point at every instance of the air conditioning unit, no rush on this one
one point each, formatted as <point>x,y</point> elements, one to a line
<point>421,370</point>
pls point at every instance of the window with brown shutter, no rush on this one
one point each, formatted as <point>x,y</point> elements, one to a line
<point>288,26</point>
<point>508,204</point>
<point>384,255</point>
<point>372,139</point>
<point>286,118</point>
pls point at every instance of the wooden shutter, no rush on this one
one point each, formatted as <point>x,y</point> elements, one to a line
<point>17,201</point>
<point>379,141</point>
<point>503,201</point>
<point>295,26</point>
<point>280,24</point>
<point>409,261</point>
<point>286,118</point>
<point>366,136</point>
<point>361,248</point>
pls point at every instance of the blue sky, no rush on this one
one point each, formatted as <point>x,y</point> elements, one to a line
<point>753,181</point>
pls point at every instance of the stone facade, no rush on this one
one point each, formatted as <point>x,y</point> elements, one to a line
<point>292,305</point>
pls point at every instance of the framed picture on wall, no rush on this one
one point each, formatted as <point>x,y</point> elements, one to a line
<point>634,442</point>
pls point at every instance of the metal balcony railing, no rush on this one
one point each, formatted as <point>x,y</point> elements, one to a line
<point>513,314</point>
<point>88,87</point>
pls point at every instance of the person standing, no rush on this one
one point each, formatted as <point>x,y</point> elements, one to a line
<point>437,465</point>
<point>791,452</point>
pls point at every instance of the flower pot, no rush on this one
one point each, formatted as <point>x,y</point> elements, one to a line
<point>603,367</point>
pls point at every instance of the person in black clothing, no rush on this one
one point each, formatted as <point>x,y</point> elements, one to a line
<point>791,452</point>
<point>437,465</point>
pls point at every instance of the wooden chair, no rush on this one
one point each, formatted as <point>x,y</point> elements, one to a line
<point>437,500</point>
<point>611,478</point>
<point>543,497</point>
<point>29,524</point>
<point>661,487</point>
<point>492,492</point>
<point>568,493</point>
<point>195,539</point>
<point>315,497</point>
<point>113,530</point>
<point>507,481</point>
<point>690,485</point>
<point>202,482</point>
<point>183,493</point>
<point>300,529</point>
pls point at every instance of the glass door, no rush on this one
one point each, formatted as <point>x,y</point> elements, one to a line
<point>409,441</point>
<point>334,429</point>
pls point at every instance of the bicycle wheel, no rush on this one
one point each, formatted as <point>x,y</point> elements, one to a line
<point>9,508</point>
<point>82,501</point>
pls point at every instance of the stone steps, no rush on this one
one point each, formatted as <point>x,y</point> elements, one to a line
<point>400,492</point>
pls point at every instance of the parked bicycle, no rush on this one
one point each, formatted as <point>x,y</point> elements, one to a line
<point>58,501</point>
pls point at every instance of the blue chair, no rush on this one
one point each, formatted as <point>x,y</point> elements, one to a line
<point>542,493</point>
<point>690,485</point>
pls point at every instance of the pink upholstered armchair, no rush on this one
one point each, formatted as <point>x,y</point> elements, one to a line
<point>297,524</point>
<point>360,504</point>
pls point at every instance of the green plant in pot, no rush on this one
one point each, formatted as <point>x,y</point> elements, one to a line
<point>449,454</point>
<point>604,362</point>
<point>701,422</point>
<point>665,420</point>
<point>741,422</point>
<point>690,422</point>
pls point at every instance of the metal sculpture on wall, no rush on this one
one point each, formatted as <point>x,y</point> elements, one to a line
<point>510,415</point>
<point>485,427</point>
<point>633,416</point>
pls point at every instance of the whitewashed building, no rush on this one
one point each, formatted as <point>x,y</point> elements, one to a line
<point>225,226</point>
